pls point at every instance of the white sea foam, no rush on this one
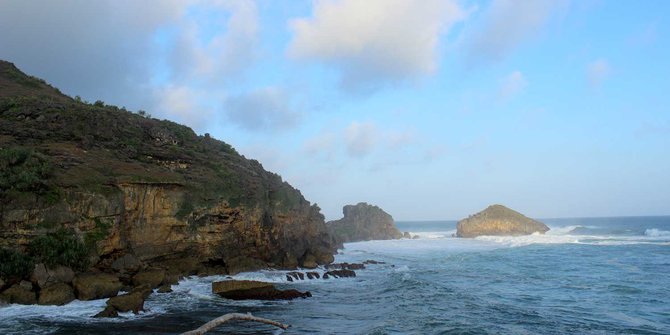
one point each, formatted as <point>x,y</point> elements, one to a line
<point>536,238</point>
<point>653,232</point>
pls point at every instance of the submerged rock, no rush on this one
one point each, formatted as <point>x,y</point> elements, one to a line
<point>499,220</point>
<point>254,290</point>
<point>364,222</point>
<point>339,274</point>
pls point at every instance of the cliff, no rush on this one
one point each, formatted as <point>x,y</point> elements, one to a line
<point>105,185</point>
<point>498,220</point>
<point>364,222</point>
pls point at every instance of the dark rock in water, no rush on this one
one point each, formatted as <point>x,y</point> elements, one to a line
<point>153,278</point>
<point>339,274</point>
<point>296,275</point>
<point>19,294</point>
<point>364,222</point>
<point>313,275</point>
<point>346,266</point>
<point>91,286</point>
<point>127,263</point>
<point>289,278</point>
<point>406,235</point>
<point>56,294</point>
<point>108,312</point>
<point>498,220</point>
<point>254,290</point>
<point>415,237</point>
<point>166,288</point>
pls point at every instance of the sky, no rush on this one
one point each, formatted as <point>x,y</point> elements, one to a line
<point>430,109</point>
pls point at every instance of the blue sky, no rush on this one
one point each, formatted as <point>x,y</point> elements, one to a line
<point>430,109</point>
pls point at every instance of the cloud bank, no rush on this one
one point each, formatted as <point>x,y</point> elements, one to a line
<point>374,41</point>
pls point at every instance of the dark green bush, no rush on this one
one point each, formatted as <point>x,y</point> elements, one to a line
<point>14,264</point>
<point>60,248</point>
<point>23,170</point>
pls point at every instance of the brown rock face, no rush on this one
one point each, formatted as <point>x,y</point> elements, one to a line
<point>499,220</point>
<point>151,278</point>
<point>19,294</point>
<point>56,294</point>
<point>96,286</point>
<point>254,290</point>
<point>142,193</point>
<point>364,222</point>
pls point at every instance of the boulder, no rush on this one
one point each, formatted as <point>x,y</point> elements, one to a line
<point>499,220</point>
<point>406,235</point>
<point>339,274</point>
<point>312,275</point>
<point>254,290</point>
<point>108,312</point>
<point>296,275</point>
<point>152,278</point>
<point>89,286</point>
<point>166,288</point>
<point>43,276</point>
<point>19,294</point>
<point>364,222</point>
<point>127,263</point>
<point>56,294</point>
<point>372,261</point>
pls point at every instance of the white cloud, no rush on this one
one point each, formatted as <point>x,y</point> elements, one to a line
<point>360,138</point>
<point>597,71</point>
<point>374,42</point>
<point>321,145</point>
<point>506,24</point>
<point>264,109</point>
<point>512,85</point>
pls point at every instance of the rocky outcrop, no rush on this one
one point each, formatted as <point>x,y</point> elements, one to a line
<point>137,193</point>
<point>20,293</point>
<point>342,273</point>
<point>363,222</point>
<point>91,286</point>
<point>499,220</point>
<point>254,290</point>
<point>56,294</point>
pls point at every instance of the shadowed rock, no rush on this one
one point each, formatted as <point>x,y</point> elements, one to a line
<point>96,286</point>
<point>56,294</point>
<point>499,220</point>
<point>364,222</point>
<point>339,274</point>
<point>254,290</point>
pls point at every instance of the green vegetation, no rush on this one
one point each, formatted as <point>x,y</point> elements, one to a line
<point>60,248</point>
<point>14,264</point>
<point>23,170</point>
<point>100,231</point>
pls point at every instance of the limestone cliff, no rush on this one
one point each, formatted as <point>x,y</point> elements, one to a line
<point>364,222</point>
<point>498,220</point>
<point>122,183</point>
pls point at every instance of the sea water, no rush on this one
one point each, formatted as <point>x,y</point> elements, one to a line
<point>585,276</point>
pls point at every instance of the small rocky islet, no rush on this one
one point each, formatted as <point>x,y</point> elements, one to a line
<point>498,220</point>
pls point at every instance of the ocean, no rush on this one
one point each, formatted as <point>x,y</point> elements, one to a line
<point>585,276</point>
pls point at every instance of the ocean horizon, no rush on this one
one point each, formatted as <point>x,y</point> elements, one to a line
<point>584,276</point>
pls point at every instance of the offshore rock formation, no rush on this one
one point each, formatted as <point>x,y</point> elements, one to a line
<point>498,220</point>
<point>363,222</point>
<point>119,192</point>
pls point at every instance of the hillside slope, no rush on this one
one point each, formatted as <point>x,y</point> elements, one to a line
<point>125,184</point>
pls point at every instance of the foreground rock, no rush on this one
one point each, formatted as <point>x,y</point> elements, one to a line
<point>499,220</point>
<point>96,286</point>
<point>364,222</point>
<point>56,294</point>
<point>254,290</point>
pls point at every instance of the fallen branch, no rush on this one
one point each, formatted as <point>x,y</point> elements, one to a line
<point>232,316</point>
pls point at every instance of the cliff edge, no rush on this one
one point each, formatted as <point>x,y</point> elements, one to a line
<point>363,222</point>
<point>498,220</point>
<point>93,187</point>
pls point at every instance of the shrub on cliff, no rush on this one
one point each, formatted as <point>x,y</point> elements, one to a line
<point>14,264</point>
<point>60,248</point>
<point>23,170</point>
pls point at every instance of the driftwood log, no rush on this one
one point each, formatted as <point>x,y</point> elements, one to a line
<point>232,316</point>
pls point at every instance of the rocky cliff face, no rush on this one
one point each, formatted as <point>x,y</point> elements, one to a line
<point>363,222</point>
<point>122,184</point>
<point>498,220</point>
